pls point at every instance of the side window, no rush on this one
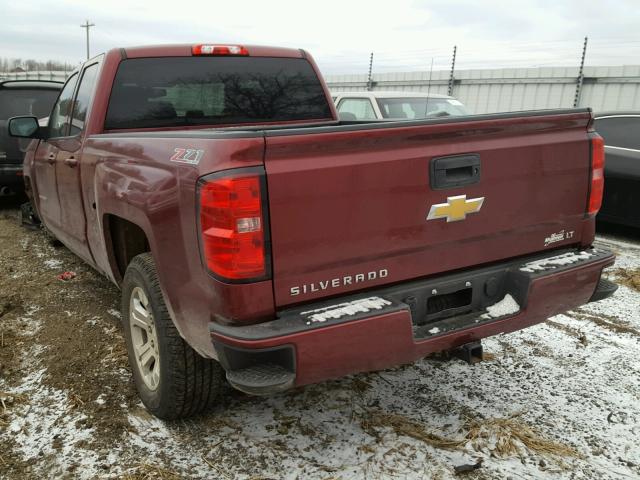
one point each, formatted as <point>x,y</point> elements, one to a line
<point>360,108</point>
<point>620,131</point>
<point>61,114</point>
<point>80,106</point>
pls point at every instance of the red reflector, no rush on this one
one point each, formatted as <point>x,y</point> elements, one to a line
<point>232,226</point>
<point>597,174</point>
<point>219,50</point>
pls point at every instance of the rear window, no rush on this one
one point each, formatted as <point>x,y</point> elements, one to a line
<point>175,91</point>
<point>420,107</point>
<point>21,101</point>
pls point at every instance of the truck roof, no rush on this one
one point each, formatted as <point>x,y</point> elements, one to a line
<point>184,50</point>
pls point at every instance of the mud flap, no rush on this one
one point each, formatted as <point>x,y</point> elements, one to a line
<point>28,217</point>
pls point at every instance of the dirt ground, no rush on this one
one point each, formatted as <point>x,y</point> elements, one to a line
<point>558,400</point>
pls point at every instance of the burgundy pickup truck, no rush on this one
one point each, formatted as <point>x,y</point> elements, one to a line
<point>256,237</point>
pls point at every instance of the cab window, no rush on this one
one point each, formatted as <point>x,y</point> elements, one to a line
<point>360,108</point>
<point>61,114</point>
<point>80,106</point>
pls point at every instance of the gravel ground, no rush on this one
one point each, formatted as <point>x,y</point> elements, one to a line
<point>558,400</point>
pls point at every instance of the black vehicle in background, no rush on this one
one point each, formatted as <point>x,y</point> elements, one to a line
<point>20,97</point>
<point>621,200</point>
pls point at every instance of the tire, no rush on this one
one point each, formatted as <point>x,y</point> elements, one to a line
<point>172,379</point>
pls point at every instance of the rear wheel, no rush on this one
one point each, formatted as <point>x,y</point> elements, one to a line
<point>172,379</point>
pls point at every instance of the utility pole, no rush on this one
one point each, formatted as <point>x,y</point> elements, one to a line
<point>87,25</point>
<point>576,99</point>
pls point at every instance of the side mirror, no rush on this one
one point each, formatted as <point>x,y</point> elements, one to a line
<point>24,127</point>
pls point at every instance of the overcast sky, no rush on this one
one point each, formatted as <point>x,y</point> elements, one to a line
<point>404,35</point>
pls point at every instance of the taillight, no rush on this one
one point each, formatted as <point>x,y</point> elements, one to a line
<point>232,225</point>
<point>219,50</point>
<point>597,174</point>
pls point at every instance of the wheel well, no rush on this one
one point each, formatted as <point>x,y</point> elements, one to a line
<point>127,241</point>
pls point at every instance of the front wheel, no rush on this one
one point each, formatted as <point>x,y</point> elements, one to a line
<point>172,379</point>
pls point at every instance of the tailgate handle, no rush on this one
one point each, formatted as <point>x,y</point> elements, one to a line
<point>455,171</point>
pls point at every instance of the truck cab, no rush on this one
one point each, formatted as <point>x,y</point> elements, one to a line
<point>382,105</point>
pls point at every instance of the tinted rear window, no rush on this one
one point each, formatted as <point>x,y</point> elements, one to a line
<point>175,91</point>
<point>22,101</point>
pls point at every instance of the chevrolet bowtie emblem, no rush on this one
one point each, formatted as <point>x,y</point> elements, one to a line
<point>457,208</point>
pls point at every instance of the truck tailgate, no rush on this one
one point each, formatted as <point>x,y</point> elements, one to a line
<point>348,205</point>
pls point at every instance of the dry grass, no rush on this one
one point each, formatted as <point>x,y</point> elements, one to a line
<point>509,435</point>
<point>629,278</point>
<point>359,385</point>
<point>7,400</point>
<point>146,471</point>
<point>503,437</point>
<point>75,401</point>
<point>402,425</point>
<point>573,332</point>
<point>117,353</point>
<point>607,322</point>
<point>488,356</point>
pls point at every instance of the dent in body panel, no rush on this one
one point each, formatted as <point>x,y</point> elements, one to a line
<point>128,183</point>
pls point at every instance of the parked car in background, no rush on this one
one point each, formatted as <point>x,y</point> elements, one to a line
<point>621,133</point>
<point>21,97</point>
<point>255,236</point>
<point>396,105</point>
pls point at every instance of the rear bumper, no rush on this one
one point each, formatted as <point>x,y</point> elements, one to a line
<point>11,176</point>
<point>403,323</point>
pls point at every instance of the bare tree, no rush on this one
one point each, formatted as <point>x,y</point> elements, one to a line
<point>8,64</point>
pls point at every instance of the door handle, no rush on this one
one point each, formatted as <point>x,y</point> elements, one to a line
<point>51,158</point>
<point>71,161</point>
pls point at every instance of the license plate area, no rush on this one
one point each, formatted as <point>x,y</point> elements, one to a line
<point>447,303</point>
<point>458,295</point>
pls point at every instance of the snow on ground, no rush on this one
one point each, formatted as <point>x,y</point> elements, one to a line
<point>53,263</point>
<point>558,400</point>
<point>44,423</point>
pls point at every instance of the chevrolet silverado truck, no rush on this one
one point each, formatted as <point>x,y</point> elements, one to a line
<point>257,238</point>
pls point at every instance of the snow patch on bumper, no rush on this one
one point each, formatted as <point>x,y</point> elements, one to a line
<point>340,310</point>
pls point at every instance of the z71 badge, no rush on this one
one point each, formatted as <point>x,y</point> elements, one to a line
<point>187,155</point>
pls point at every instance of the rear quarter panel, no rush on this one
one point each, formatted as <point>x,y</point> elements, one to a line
<point>133,178</point>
